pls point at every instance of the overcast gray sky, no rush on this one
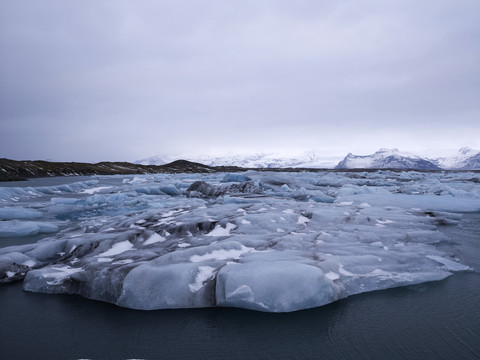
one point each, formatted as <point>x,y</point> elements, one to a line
<point>123,80</point>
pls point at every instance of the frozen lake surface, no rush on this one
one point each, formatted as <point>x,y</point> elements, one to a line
<point>272,242</point>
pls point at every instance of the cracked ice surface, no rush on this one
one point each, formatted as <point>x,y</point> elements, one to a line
<point>260,240</point>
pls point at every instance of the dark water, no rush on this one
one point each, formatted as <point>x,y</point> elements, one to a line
<point>437,320</point>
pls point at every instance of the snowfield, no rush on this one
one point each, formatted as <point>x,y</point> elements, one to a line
<point>265,241</point>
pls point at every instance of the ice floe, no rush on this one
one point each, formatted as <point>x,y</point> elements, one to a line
<point>265,241</point>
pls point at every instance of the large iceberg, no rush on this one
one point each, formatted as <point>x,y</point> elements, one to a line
<point>264,241</point>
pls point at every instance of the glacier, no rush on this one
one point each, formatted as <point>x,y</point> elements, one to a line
<point>259,240</point>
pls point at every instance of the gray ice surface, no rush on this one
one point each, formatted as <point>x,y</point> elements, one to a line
<point>265,241</point>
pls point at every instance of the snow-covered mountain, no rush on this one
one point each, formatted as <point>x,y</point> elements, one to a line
<point>308,159</point>
<point>386,159</point>
<point>472,163</point>
<point>464,159</point>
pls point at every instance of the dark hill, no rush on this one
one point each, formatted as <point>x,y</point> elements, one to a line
<point>11,170</point>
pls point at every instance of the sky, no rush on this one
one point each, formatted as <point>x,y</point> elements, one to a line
<point>123,80</point>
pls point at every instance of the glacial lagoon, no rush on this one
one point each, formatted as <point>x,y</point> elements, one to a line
<point>312,248</point>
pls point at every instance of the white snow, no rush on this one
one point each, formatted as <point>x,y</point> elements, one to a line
<point>332,276</point>
<point>58,274</point>
<point>222,254</point>
<point>94,190</point>
<point>449,264</point>
<point>204,273</point>
<point>222,231</point>
<point>117,249</point>
<point>303,220</point>
<point>155,238</point>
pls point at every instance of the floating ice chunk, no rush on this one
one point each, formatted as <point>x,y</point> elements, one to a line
<point>319,196</point>
<point>149,190</point>
<point>235,178</point>
<point>151,286</point>
<point>67,201</point>
<point>169,190</point>
<point>16,228</point>
<point>48,250</point>
<point>11,213</point>
<point>61,271</point>
<point>14,265</point>
<point>52,279</point>
<point>155,238</point>
<point>204,273</point>
<point>58,274</point>
<point>295,266</point>
<point>449,264</point>
<point>425,202</point>
<point>222,231</point>
<point>274,286</point>
<point>117,248</point>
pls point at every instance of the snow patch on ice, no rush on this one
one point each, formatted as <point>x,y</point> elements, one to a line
<point>94,190</point>
<point>205,273</point>
<point>59,274</point>
<point>222,231</point>
<point>117,249</point>
<point>155,238</point>
<point>222,254</point>
<point>449,264</point>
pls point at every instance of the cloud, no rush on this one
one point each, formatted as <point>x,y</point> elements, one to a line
<point>122,80</point>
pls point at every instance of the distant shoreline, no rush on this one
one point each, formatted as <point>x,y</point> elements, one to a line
<point>18,170</point>
<point>14,170</point>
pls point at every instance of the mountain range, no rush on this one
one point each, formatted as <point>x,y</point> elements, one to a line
<point>464,159</point>
<point>308,159</point>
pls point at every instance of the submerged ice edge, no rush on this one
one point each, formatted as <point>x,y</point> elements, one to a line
<point>272,242</point>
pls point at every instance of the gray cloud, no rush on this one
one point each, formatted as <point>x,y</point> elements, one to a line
<point>121,80</point>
